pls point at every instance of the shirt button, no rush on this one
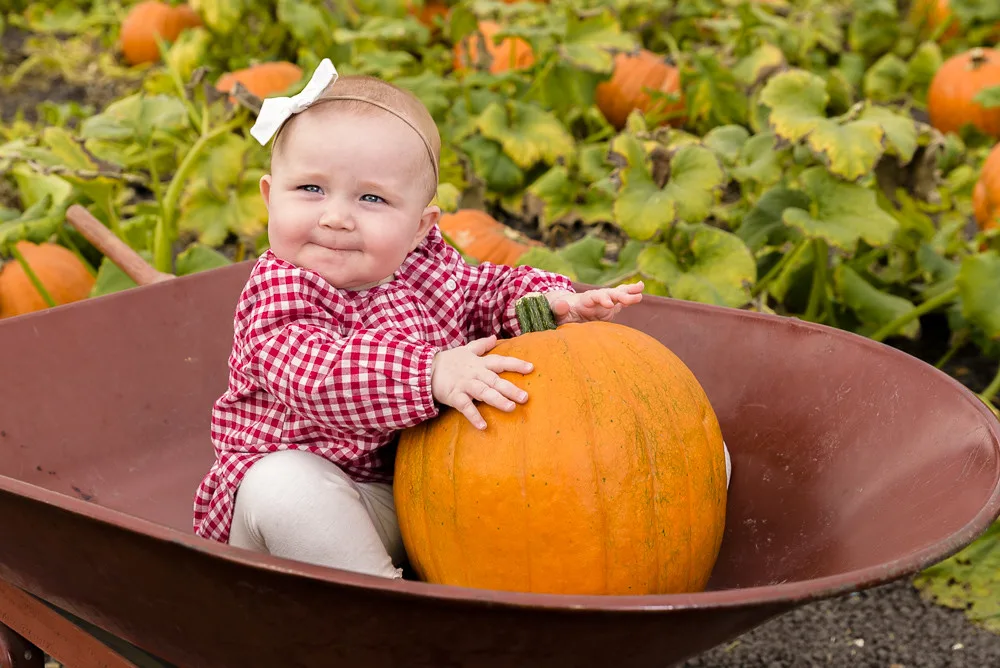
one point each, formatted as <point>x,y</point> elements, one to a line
<point>450,284</point>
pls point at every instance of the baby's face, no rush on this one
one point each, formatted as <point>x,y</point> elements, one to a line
<point>347,195</point>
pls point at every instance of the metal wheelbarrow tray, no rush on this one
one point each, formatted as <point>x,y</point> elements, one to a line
<point>853,465</point>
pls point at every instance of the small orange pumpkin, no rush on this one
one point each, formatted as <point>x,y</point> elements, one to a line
<point>956,82</point>
<point>483,237</point>
<point>64,276</point>
<point>262,79</point>
<point>426,12</point>
<point>149,18</point>
<point>610,480</point>
<point>633,74</point>
<point>511,53</point>
<point>986,194</point>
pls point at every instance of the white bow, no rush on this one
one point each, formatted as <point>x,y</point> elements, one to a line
<point>276,110</point>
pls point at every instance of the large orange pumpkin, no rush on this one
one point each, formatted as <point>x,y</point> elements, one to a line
<point>62,273</point>
<point>626,90</point>
<point>611,479</point>
<point>950,95</point>
<point>480,235</point>
<point>512,53</point>
<point>986,194</point>
<point>262,79</point>
<point>150,18</point>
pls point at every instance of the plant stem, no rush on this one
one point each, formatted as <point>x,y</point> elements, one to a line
<point>32,276</point>
<point>818,289</point>
<point>914,313</point>
<point>992,389</point>
<point>166,230</point>
<point>779,266</point>
<point>951,352</point>
<point>68,240</point>
<point>534,314</point>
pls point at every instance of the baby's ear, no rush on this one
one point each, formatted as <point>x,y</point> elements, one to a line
<point>265,189</point>
<point>431,214</point>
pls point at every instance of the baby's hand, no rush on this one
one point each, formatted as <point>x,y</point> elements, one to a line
<point>600,304</point>
<point>461,375</point>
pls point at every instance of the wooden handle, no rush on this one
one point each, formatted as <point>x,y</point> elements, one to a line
<point>114,248</point>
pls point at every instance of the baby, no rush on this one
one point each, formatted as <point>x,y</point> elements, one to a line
<point>358,322</point>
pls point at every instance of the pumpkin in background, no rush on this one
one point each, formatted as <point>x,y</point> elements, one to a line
<point>986,194</point>
<point>480,235</point>
<point>426,12</point>
<point>611,479</point>
<point>64,276</point>
<point>510,53</point>
<point>950,96</point>
<point>149,18</point>
<point>262,79</point>
<point>624,91</point>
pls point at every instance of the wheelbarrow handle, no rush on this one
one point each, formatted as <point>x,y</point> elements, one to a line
<point>133,264</point>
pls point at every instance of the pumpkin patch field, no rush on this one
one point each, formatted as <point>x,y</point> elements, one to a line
<point>836,161</point>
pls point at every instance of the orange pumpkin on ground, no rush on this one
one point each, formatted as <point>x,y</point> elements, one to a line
<point>625,90</point>
<point>986,194</point>
<point>611,479</point>
<point>150,18</point>
<point>262,79</point>
<point>950,96</point>
<point>64,276</point>
<point>482,236</point>
<point>511,53</point>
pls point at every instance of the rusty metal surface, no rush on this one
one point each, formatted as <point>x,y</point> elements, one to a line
<point>853,465</point>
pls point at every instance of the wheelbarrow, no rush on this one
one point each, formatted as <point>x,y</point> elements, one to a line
<point>854,464</point>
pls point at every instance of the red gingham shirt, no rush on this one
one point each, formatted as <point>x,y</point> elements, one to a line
<point>339,373</point>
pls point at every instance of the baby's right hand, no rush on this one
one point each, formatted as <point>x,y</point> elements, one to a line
<point>461,375</point>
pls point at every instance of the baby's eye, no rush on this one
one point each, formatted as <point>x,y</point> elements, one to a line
<point>310,188</point>
<point>375,199</point>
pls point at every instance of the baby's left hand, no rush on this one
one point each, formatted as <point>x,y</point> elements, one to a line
<point>600,304</point>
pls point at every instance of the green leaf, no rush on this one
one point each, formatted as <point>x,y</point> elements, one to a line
<point>703,264</point>
<point>900,131</point>
<point>528,133</point>
<point>875,27</point>
<point>797,100</point>
<point>988,97</point>
<point>840,213</point>
<point>307,23</point>
<point>727,141</point>
<point>884,81</point>
<point>198,257</point>
<point>590,43</point>
<point>873,307</point>
<point>110,278</point>
<point>978,282</point>
<point>222,16</point>
<point>213,214</point>
<point>756,66</point>
<point>566,90</point>
<point>712,93</point>
<point>189,51</point>
<point>491,164</point>
<point>968,580</point>
<point>760,161</point>
<point>764,225</point>
<point>643,207</point>
<point>136,118</point>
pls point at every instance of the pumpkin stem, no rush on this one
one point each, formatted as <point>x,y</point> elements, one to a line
<point>977,57</point>
<point>534,313</point>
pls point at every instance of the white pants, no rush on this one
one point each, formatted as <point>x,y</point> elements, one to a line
<point>297,505</point>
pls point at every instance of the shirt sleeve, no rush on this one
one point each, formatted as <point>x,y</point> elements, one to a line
<point>367,380</point>
<point>493,289</point>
